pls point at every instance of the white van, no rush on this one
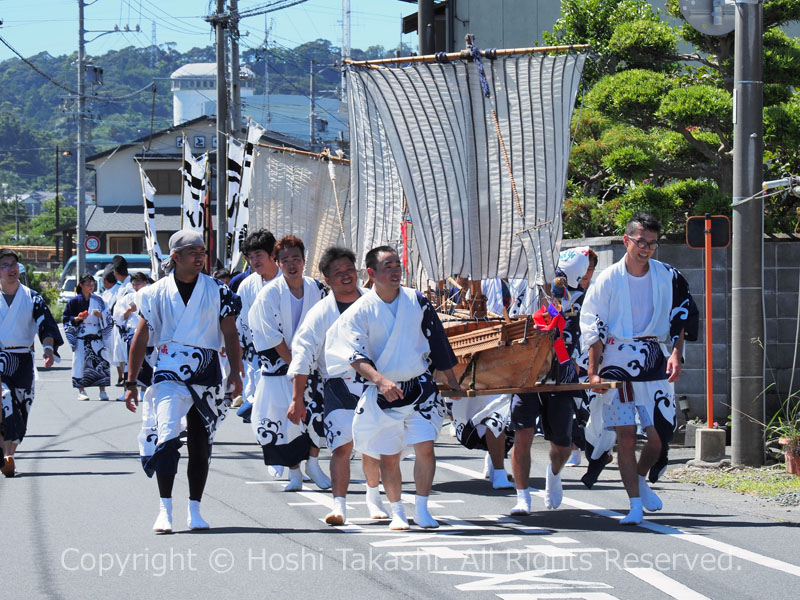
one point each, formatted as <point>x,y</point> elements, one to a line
<point>94,263</point>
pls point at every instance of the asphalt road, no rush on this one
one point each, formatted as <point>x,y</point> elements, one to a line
<point>76,523</point>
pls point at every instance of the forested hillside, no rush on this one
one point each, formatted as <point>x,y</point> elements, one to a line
<point>36,115</point>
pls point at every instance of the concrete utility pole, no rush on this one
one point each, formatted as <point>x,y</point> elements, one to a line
<point>80,152</point>
<point>222,129</point>
<point>425,27</point>
<point>747,333</point>
<point>236,91</point>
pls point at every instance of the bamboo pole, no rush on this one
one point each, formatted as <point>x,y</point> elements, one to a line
<point>465,55</point>
<point>324,155</point>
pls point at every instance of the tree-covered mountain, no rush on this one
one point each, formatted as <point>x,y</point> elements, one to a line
<point>36,115</point>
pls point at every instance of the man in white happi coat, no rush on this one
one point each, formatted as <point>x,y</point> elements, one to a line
<point>23,315</point>
<point>392,337</point>
<point>119,348</point>
<point>259,248</point>
<point>341,394</point>
<point>634,321</point>
<point>192,316</point>
<point>275,316</point>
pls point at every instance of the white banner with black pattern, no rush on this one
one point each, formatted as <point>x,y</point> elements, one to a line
<point>150,234</point>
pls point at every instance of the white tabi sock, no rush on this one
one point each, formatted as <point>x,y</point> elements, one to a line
<point>422,516</point>
<point>399,520</point>
<point>523,505</point>
<point>634,517</point>
<point>295,481</point>
<point>339,513</point>
<point>574,459</point>
<point>375,504</point>
<point>194,520</point>
<point>650,500</point>
<point>488,467</point>
<point>314,471</point>
<point>500,480</point>
<point>276,472</point>
<point>553,492</point>
<point>163,522</point>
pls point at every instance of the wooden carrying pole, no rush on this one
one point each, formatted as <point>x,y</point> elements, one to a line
<point>464,55</point>
<point>324,155</point>
<point>709,343</point>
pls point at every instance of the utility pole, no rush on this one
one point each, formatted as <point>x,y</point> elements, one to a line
<point>345,45</point>
<point>747,333</point>
<point>219,21</point>
<point>425,27</point>
<point>58,220</point>
<point>312,115</point>
<point>236,92</point>
<point>16,216</point>
<point>81,156</point>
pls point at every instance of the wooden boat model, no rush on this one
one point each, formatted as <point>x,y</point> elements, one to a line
<point>499,354</point>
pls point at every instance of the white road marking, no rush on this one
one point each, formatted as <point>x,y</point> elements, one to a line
<point>565,596</point>
<point>528,580</point>
<point>666,584</point>
<point>706,542</point>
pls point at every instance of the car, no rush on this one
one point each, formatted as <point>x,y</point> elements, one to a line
<point>68,280</point>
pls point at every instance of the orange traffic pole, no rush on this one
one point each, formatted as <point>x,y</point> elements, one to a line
<point>709,336</point>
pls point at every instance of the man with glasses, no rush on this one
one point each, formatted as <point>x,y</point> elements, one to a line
<point>23,315</point>
<point>634,321</point>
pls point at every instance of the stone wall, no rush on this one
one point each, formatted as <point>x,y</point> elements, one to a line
<point>781,280</point>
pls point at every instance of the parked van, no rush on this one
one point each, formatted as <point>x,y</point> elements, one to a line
<point>96,262</point>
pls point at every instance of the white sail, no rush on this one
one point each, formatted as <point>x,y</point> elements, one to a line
<point>294,194</point>
<point>457,152</point>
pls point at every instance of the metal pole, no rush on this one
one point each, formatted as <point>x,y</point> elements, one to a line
<point>81,157</point>
<point>236,91</point>
<point>58,221</point>
<point>427,44</point>
<point>222,131</point>
<point>312,116</point>
<point>16,216</point>
<point>747,315</point>
<point>345,45</point>
<point>709,329</point>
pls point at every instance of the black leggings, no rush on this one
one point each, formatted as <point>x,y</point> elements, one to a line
<point>199,451</point>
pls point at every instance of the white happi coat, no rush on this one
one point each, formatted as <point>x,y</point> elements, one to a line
<point>17,329</point>
<point>270,321</point>
<point>187,338</point>
<point>248,291</point>
<point>523,297</point>
<point>92,325</point>
<point>399,350</point>
<point>308,356</point>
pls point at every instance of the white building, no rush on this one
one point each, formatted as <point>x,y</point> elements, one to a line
<point>194,90</point>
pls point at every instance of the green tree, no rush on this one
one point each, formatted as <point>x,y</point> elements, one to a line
<point>656,125</point>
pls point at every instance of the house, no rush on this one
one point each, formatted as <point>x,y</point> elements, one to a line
<point>116,214</point>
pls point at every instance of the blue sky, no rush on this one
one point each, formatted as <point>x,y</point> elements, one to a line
<point>52,25</point>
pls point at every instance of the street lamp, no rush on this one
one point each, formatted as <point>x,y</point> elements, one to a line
<point>58,202</point>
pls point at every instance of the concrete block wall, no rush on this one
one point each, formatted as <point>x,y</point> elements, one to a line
<point>781,280</point>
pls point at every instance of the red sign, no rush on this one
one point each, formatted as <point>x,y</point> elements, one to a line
<point>92,244</point>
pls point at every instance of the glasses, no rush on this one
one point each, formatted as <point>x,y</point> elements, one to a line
<point>642,245</point>
<point>9,266</point>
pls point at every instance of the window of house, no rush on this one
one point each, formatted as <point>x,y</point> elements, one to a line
<point>166,181</point>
